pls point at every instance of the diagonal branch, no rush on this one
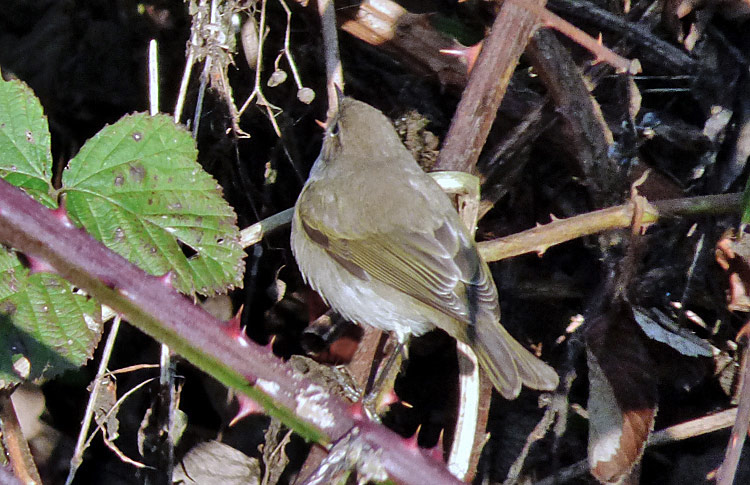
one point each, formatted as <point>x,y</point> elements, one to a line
<point>219,348</point>
<point>487,85</point>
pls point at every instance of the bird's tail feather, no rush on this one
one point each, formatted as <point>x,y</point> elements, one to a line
<point>507,363</point>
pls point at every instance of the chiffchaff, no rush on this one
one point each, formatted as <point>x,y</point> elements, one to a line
<point>382,244</point>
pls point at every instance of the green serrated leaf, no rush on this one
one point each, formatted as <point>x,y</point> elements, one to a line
<point>136,186</point>
<point>25,158</point>
<point>45,328</point>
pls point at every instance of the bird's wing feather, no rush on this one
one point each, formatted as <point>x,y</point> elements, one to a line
<point>440,268</point>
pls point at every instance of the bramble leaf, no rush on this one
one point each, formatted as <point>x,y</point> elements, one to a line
<point>136,186</point>
<point>51,330</point>
<point>25,157</point>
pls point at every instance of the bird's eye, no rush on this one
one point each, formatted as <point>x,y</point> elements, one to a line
<point>336,129</point>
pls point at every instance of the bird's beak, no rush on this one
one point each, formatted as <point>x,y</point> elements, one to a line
<point>339,94</point>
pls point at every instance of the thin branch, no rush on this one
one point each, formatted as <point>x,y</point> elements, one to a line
<point>539,431</point>
<point>82,443</point>
<point>287,46</point>
<point>656,50</point>
<point>475,388</point>
<point>586,131</point>
<point>255,233</point>
<point>540,238</point>
<point>549,19</point>
<point>487,84</point>
<point>471,422</point>
<point>153,77</point>
<point>728,468</point>
<point>693,428</point>
<point>257,92</point>
<point>207,67</point>
<point>334,72</point>
<point>16,447</point>
<point>190,61</point>
<point>166,398</point>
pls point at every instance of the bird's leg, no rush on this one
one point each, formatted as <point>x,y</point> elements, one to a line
<point>378,396</point>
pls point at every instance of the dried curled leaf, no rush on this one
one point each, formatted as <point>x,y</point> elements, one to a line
<point>622,395</point>
<point>732,255</point>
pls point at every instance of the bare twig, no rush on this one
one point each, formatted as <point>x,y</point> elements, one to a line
<point>659,51</point>
<point>153,77</point>
<point>287,46</point>
<point>166,398</point>
<point>473,410</point>
<point>540,430</point>
<point>255,233</point>
<point>257,92</point>
<point>82,443</point>
<point>693,428</point>
<point>475,388</point>
<point>334,72</point>
<point>190,61</point>
<point>602,54</point>
<point>540,238</point>
<point>16,447</point>
<point>590,139</point>
<point>131,368</point>
<point>487,84</point>
<point>165,410</point>
<point>728,469</point>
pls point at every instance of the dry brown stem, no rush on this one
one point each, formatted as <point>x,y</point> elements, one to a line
<point>16,447</point>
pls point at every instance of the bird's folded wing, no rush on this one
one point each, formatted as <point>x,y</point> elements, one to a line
<point>440,268</point>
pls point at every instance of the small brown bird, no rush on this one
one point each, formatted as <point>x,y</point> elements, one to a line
<point>381,243</point>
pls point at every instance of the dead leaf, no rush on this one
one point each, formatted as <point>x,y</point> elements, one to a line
<point>275,458</point>
<point>732,254</point>
<point>212,463</point>
<point>622,395</point>
<point>660,327</point>
<point>104,413</point>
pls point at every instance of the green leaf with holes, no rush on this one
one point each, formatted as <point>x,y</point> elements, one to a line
<point>136,186</point>
<point>25,157</point>
<point>45,328</point>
